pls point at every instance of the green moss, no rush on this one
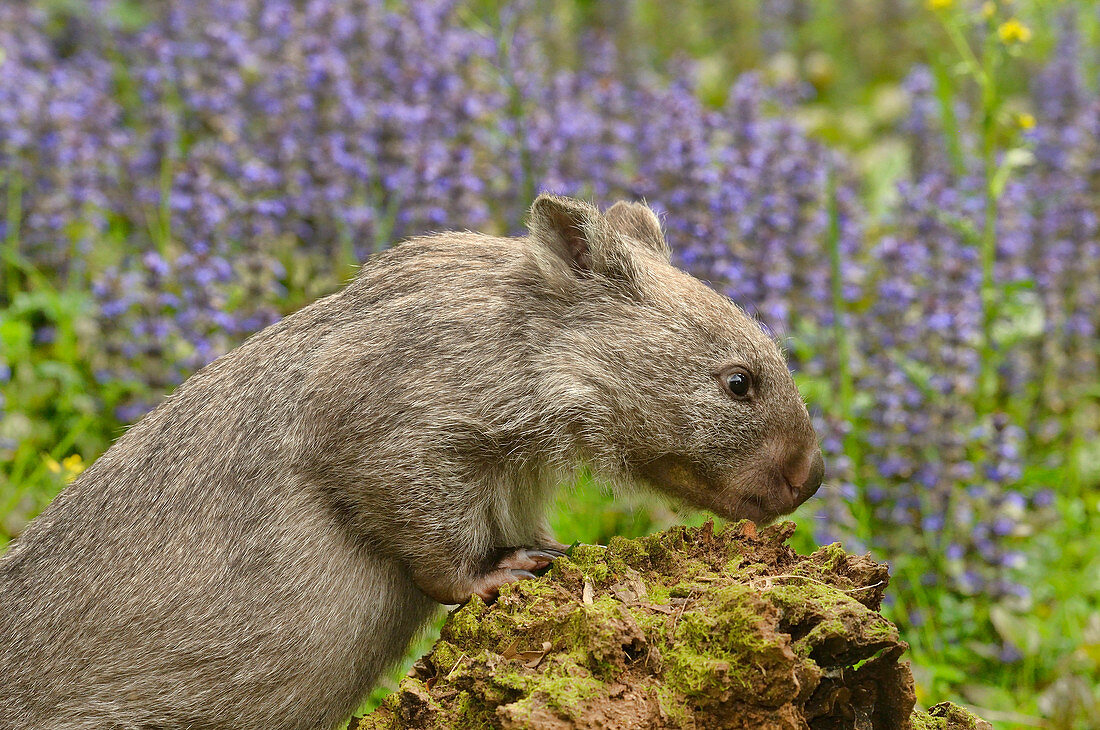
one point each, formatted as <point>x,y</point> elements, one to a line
<point>585,562</point>
<point>463,626</point>
<point>567,685</point>
<point>694,568</point>
<point>383,718</point>
<point>724,645</point>
<point>588,557</point>
<point>830,557</point>
<point>957,718</point>
<point>666,547</point>
<point>597,634</point>
<point>500,629</point>
<point>831,609</point>
<point>822,632</point>
<point>800,597</point>
<point>682,590</point>
<point>446,655</point>
<point>510,679</point>
<point>469,713</point>
<point>631,552</point>
<point>651,623</point>
<point>563,683</point>
<point>697,675</point>
<point>673,706</point>
<point>921,721</point>
<point>529,590</point>
<point>881,629</point>
<point>598,574</point>
<point>739,607</point>
<point>604,644</point>
<point>658,593</point>
<point>733,567</point>
<point>525,713</point>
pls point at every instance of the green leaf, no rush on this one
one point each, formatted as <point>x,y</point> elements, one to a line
<point>1020,317</point>
<point>1016,629</point>
<point>15,335</point>
<point>1014,159</point>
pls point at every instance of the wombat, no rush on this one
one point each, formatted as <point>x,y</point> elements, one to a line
<point>259,549</point>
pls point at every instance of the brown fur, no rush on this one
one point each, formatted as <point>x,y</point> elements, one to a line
<point>260,548</point>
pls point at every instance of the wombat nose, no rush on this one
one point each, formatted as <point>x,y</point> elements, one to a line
<point>805,475</point>
<point>814,478</point>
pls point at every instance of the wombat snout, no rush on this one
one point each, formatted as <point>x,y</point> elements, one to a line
<point>804,475</point>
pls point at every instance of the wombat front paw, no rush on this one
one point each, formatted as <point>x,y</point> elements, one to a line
<point>506,565</point>
<point>512,565</point>
<point>527,558</point>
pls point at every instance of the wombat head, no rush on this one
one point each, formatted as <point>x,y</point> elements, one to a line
<point>662,380</point>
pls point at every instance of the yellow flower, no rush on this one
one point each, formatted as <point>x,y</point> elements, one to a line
<point>1013,31</point>
<point>1025,120</point>
<point>989,9</point>
<point>73,464</point>
<point>69,468</point>
<point>940,4</point>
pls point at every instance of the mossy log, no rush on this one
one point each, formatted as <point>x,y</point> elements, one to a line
<point>688,628</point>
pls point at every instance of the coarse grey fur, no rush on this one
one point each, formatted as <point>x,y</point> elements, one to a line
<point>259,549</point>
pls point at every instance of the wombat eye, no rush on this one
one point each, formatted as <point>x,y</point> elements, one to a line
<point>738,383</point>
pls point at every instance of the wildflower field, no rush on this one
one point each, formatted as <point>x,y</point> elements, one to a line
<point>906,191</point>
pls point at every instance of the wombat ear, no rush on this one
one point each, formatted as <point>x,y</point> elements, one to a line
<point>638,221</point>
<point>573,229</point>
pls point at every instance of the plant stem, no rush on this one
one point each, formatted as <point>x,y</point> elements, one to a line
<point>840,334</point>
<point>984,73</point>
<point>844,353</point>
<point>945,93</point>
<point>14,220</point>
<point>164,210</point>
<point>516,109</point>
<point>987,381</point>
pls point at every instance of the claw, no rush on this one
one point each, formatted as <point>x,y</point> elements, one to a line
<point>547,553</point>
<point>523,559</point>
<point>508,565</point>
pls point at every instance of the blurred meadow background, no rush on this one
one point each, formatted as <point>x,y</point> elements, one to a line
<point>906,191</point>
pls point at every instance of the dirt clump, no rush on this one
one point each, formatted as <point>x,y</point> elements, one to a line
<point>688,628</point>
